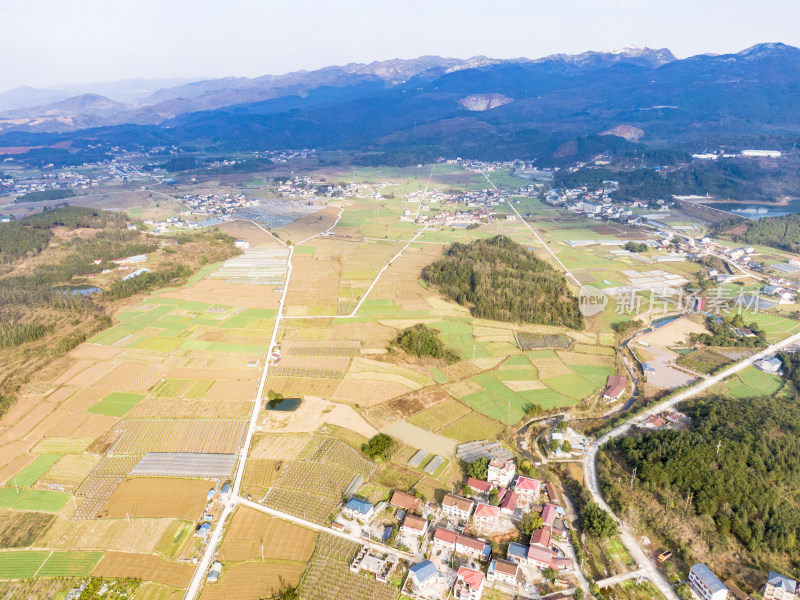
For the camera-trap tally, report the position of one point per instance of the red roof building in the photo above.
(479, 485)
(469, 585)
(541, 537)
(486, 514)
(509, 503)
(527, 488)
(549, 514)
(615, 387)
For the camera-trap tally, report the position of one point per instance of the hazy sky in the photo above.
(46, 42)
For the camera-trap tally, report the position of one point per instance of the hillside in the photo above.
(501, 280)
(417, 110)
(736, 464)
(781, 232)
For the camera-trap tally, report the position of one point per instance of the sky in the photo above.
(48, 42)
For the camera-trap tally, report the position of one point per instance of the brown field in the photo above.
(188, 409)
(461, 370)
(144, 566)
(415, 402)
(211, 290)
(92, 373)
(75, 366)
(380, 416)
(85, 398)
(22, 529)
(297, 387)
(369, 393)
(61, 394)
(260, 473)
(459, 389)
(67, 423)
(180, 435)
(372, 335)
(232, 390)
(157, 497)
(14, 458)
(250, 530)
(577, 358)
(96, 352)
(673, 334)
(141, 535)
(315, 282)
(251, 581)
(22, 406)
(245, 230)
(233, 375)
(400, 281)
(277, 447)
(21, 428)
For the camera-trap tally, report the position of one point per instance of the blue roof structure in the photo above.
(518, 550)
(424, 571)
(358, 505)
(782, 582)
(708, 578)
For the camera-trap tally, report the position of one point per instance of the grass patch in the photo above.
(572, 386)
(116, 404)
(21, 565)
(28, 476)
(473, 426)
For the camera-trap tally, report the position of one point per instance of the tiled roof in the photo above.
(527, 484)
(358, 505)
(415, 522)
(445, 535)
(479, 484)
(472, 578)
(487, 510)
(424, 570)
(404, 500)
(549, 514)
(457, 501)
(541, 537)
(506, 567)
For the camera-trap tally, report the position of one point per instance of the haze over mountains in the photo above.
(440, 104)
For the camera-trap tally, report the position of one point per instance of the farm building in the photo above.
(213, 572)
(359, 509)
(418, 457)
(203, 530)
(615, 387)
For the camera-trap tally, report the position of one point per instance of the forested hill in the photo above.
(501, 280)
(779, 232)
(741, 462)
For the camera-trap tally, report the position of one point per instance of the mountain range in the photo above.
(515, 107)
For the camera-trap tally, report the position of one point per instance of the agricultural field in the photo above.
(704, 361)
(325, 465)
(749, 383)
(156, 497)
(328, 575)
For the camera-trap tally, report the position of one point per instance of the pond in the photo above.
(664, 321)
(83, 290)
(284, 404)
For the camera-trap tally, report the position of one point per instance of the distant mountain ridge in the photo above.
(470, 107)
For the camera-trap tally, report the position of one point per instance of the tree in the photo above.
(530, 522)
(494, 497)
(594, 589)
(578, 594)
(684, 592)
(467, 491)
(479, 469)
(598, 522)
(553, 445)
(550, 573)
(636, 247)
(566, 446)
(379, 447)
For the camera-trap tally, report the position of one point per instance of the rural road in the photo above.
(590, 458)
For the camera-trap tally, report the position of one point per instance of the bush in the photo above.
(422, 341)
(379, 448)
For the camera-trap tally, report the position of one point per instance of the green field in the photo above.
(28, 476)
(21, 565)
(473, 426)
(70, 564)
(116, 404)
(438, 416)
(41, 500)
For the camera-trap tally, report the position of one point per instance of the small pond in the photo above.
(83, 290)
(284, 404)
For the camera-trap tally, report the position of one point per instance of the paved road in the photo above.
(609, 581)
(590, 459)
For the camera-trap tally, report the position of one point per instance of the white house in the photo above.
(501, 473)
(706, 584)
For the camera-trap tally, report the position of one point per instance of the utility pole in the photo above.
(633, 476)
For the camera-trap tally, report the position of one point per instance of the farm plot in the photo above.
(328, 575)
(70, 564)
(258, 476)
(277, 447)
(69, 471)
(323, 367)
(116, 404)
(531, 341)
(253, 534)
(144, 566)
(223, 436)
(35, 500)
(325, 465)
(21, 565)
(95, 492)
(251, 581)
(30, 474)
(156, 497)
(440, 415)
(22, 529)
(57, 445)
(473, 426)
(703, 361)
(192, 389)
(185, 464)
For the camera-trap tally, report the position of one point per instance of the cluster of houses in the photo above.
(707, 586)
(219, 493)
(216, 204)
